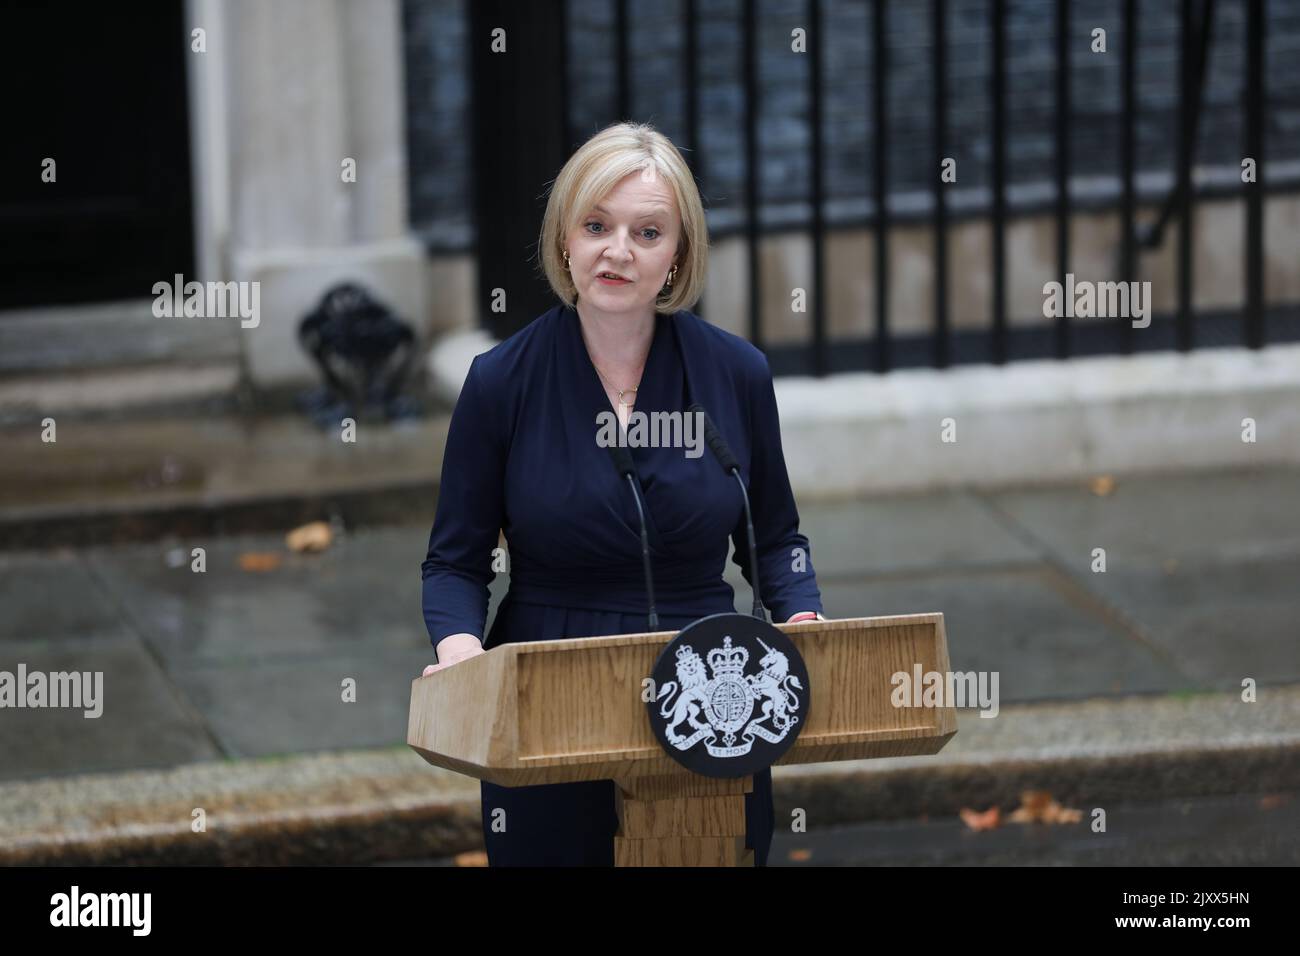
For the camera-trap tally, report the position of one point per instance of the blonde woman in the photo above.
(625, 248)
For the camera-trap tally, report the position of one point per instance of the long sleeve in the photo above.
(458, 566)
(789, 584)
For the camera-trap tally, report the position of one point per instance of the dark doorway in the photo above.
(518, 127)
(101, 89)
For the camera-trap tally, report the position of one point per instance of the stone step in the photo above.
(108, 336)
(105, 482)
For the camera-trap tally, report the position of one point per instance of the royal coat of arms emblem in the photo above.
(718, 714)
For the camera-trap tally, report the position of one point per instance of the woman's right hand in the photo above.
(453, 649)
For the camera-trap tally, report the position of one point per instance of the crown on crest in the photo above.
(728, 661)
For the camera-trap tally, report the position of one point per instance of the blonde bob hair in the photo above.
(592, 172)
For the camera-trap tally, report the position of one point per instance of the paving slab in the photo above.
(363, 591)
(897, 533)
(145, 721)
(53, 595)
(1221, 621)
(282, 707)
(1228, 515)
(1028, 625)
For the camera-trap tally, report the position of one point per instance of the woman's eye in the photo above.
(592, 223)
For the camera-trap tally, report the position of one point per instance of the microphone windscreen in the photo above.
(713, 438)
(622, 460)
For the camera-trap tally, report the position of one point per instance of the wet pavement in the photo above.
(1199, 593)
(1242, 830)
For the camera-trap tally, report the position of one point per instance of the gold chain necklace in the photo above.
(621, 391)
(609, 384)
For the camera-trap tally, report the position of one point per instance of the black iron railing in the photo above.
(879, 346)
(1064, 337)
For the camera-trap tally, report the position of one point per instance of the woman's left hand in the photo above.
(804, 616)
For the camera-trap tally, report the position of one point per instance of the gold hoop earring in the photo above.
(668, 287)
(566, 261)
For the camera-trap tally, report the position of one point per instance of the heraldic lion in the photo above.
(692, 675)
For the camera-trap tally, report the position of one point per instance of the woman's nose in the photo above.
(618, 248)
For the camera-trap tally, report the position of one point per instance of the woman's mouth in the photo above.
(608, 278)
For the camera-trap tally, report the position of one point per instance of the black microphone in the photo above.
(623, 463)
(721, 451)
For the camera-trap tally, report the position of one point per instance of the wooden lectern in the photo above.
(569, 710)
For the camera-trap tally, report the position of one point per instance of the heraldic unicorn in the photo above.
(726, 700)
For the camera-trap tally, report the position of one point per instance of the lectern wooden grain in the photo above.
(569, 710)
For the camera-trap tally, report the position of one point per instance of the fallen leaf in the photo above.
(260, 560)
(989, 819)
(315, 536)
(472, 858)
(1035, 801)
(800, 855)
(1272, 801)
(1037, 806)
(1102, 485)
(1060, 814)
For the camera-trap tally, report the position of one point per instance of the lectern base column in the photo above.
(682, 820)
(683, 851)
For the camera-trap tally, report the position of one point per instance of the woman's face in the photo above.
(633, 232)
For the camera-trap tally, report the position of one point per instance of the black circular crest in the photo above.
(731, 695)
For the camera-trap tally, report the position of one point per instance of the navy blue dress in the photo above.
(522, 457)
